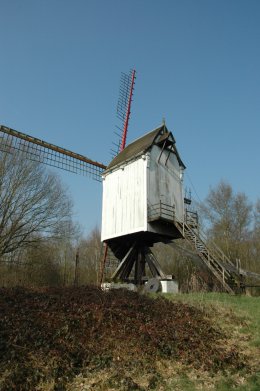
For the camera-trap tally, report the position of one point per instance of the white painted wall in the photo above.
(128, 191)
(124, 206)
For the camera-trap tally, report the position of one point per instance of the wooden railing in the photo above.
(161, 211)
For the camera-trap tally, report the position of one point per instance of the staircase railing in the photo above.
(202, 236)
(212, 255)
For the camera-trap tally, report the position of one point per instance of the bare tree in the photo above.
(257, 218)
(33, 203)
(228, 215)
(229, 218)
(255, 247)
(90, 251)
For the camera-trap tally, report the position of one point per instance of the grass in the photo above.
(245, 308)
(240, 317)
(77, 339)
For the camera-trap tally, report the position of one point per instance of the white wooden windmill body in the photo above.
(142, 201)
(143, 189)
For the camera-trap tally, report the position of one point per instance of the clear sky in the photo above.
(197, 62)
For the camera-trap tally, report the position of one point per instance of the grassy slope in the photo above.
(84, 339)
(239, 316)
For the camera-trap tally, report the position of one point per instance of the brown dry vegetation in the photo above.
(50, 337)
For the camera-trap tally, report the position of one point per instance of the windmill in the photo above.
(143, 201)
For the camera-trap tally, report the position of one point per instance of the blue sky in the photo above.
(197, 62)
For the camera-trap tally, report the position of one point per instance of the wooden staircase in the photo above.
(211, 255)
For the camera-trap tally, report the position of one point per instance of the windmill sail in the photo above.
(126, 90)
(41, 151)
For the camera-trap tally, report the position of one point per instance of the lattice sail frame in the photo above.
(126, 89)
(43, 152)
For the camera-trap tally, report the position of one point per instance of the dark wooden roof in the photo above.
(142, 144)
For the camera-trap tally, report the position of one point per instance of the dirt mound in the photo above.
(55, 334)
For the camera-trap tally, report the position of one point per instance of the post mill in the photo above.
(144, 203)
(143, 200)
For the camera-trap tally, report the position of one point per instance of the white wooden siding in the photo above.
(124, 206)
(164, 181)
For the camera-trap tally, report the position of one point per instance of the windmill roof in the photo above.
(142, 144)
